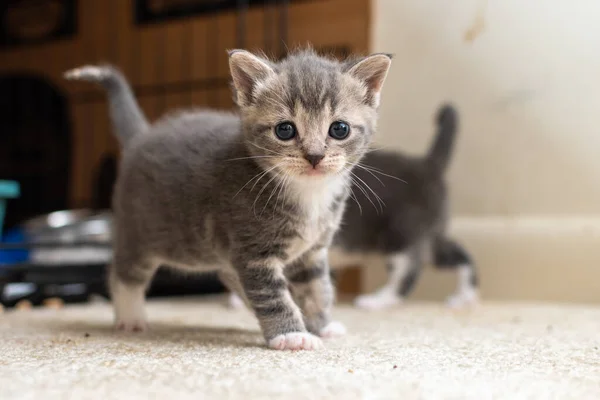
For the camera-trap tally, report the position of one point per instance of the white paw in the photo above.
(128, 302)
(377, 301)
(333, 329)
(135, 325)
(463, 299)
(296, 341)
(236, 302)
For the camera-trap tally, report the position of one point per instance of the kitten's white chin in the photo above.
(315, 193)
(314, 172)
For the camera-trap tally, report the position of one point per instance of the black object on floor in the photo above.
(76, 282)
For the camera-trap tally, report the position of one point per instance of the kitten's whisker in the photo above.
(284, 182)
(376, 149)
(261, 174)
(357, 184)
(368, 167)
(264, 174)
(285, 191)
(353, 197)
(260, 192)
(374, 176)
(246, 184)
(269, 150)
(251, 157)
(271, 195)
(364, 192)
(381, 203)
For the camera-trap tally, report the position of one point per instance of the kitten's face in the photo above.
(308, 117)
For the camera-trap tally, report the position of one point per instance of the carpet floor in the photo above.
(197, 349)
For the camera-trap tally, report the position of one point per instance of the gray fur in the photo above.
(128, 120)
(413, 220)
(209, 190)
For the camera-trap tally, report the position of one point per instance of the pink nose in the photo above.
(314, 159)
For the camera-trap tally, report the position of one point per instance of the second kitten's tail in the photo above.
(441, 149)
(127, 118)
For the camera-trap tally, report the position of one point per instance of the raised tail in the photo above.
(127, 118)
(442, 146)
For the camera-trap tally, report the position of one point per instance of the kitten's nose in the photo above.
(314, 159)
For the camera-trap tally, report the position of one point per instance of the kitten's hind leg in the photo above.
(235, 302)
(404, 269)
(448, 254)
(311, 288)
(128, 283)
(231, 281)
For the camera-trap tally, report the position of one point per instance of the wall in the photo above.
(525, 178)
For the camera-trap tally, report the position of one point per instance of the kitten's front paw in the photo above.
(135, 325)
(333, 329)
(463, 299)
(377, 301)
(296, 341)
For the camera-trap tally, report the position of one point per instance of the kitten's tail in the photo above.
(441, 149)
(127, 118)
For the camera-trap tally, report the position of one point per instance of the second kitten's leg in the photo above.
(280, 319)
(311, 287)
(403, 271)
(128, 282)
(448, 254)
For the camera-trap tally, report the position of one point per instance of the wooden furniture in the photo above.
(172, 64)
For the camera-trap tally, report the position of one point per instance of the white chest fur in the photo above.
(316, 198)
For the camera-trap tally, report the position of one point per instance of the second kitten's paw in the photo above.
(333, 329)
(463, 299)
(377, 301)
(296, 341)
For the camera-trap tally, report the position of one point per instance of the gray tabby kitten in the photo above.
(257, 197)
(399, 211)
(403, 218)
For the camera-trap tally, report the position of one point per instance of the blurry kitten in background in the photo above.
(399, 210)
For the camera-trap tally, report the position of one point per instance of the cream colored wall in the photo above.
(525, 178)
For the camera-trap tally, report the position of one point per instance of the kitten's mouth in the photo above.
(314, 171)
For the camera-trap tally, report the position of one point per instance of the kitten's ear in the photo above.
(247, 72)
(372, 70)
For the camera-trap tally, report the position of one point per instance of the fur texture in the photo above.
(208, 190)
(398, 211)
(403, 217)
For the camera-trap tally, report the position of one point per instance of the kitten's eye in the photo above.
(285, 131)
(339, 130)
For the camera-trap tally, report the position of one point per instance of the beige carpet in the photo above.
(199, 350)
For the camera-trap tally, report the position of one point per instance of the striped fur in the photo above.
(205, 190)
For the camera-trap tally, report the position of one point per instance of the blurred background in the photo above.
(523, 75)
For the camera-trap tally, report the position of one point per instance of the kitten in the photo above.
(257, 197)
(398, 210)
(401, 213)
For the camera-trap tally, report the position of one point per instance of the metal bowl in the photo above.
(70, 237)
(70, 226)
(54, 220)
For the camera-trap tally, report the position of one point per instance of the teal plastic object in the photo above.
(8, 190)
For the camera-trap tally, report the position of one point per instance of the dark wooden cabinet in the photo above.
(172, 63)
